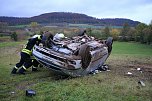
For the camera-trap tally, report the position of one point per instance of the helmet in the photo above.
(58, 36)
(37, 36)
(61, 35)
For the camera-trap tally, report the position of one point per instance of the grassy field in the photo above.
(113, 85)
(132, 49)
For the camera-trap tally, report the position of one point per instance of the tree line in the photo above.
(141, 33)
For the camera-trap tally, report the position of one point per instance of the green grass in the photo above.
(7, 44)
(19, 26)
(133, 49)
(105, 86)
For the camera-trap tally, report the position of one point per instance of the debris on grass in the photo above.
(96, 71)
(12, 92)
(129, 73)
(103, 68)
(138, 69)
(141, 82)
(30, 93)
(108, 70)
(100, 69)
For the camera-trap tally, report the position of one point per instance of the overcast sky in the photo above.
(138, 10)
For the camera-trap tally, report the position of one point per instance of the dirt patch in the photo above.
(138, 71)
(5, 39)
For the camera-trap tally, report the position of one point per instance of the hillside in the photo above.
(63, 17)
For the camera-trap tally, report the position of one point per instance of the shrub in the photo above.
(14, 36)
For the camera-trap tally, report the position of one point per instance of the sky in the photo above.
(137, 10)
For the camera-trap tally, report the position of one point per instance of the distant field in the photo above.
(5, 39)
(19, 26)
(91, 26)
(133, 49)
(114, 85)
(7, 44)
(71, 25)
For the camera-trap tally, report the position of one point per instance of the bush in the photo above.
(14, 36)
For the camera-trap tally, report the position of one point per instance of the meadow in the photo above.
(113, 85)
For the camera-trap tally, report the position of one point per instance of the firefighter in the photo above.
(26, 53)
(35, 63)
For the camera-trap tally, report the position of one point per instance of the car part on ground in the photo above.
(76, 56)
(30, 93)
(100, 69)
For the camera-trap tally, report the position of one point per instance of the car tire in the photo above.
(84, 52)
(109, 43)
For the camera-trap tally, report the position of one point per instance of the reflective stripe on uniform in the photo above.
(32, 57)
(24, 67)
(34, 67)
(27, 51)
(15, 67)
(39, 37)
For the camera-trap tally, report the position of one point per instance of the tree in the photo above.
(150, 23)
(124, 32)
(150, 36)
(106, 32)
(3, 26)
(89, 31)
(33, 26)
(115, 33)
(131, 34)
(14, 36)
(139, 34)
(147, 32)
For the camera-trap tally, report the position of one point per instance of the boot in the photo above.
(21, 71)
(14, 71)
(34, 69)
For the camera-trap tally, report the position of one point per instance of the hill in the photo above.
(66, 17)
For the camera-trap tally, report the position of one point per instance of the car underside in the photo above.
(76, 56)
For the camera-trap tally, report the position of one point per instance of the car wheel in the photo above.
(84, 52)
(109, 43)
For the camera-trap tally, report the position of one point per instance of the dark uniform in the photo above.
(35, 63)
(26, 53)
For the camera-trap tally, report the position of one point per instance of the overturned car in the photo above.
(76, 56)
